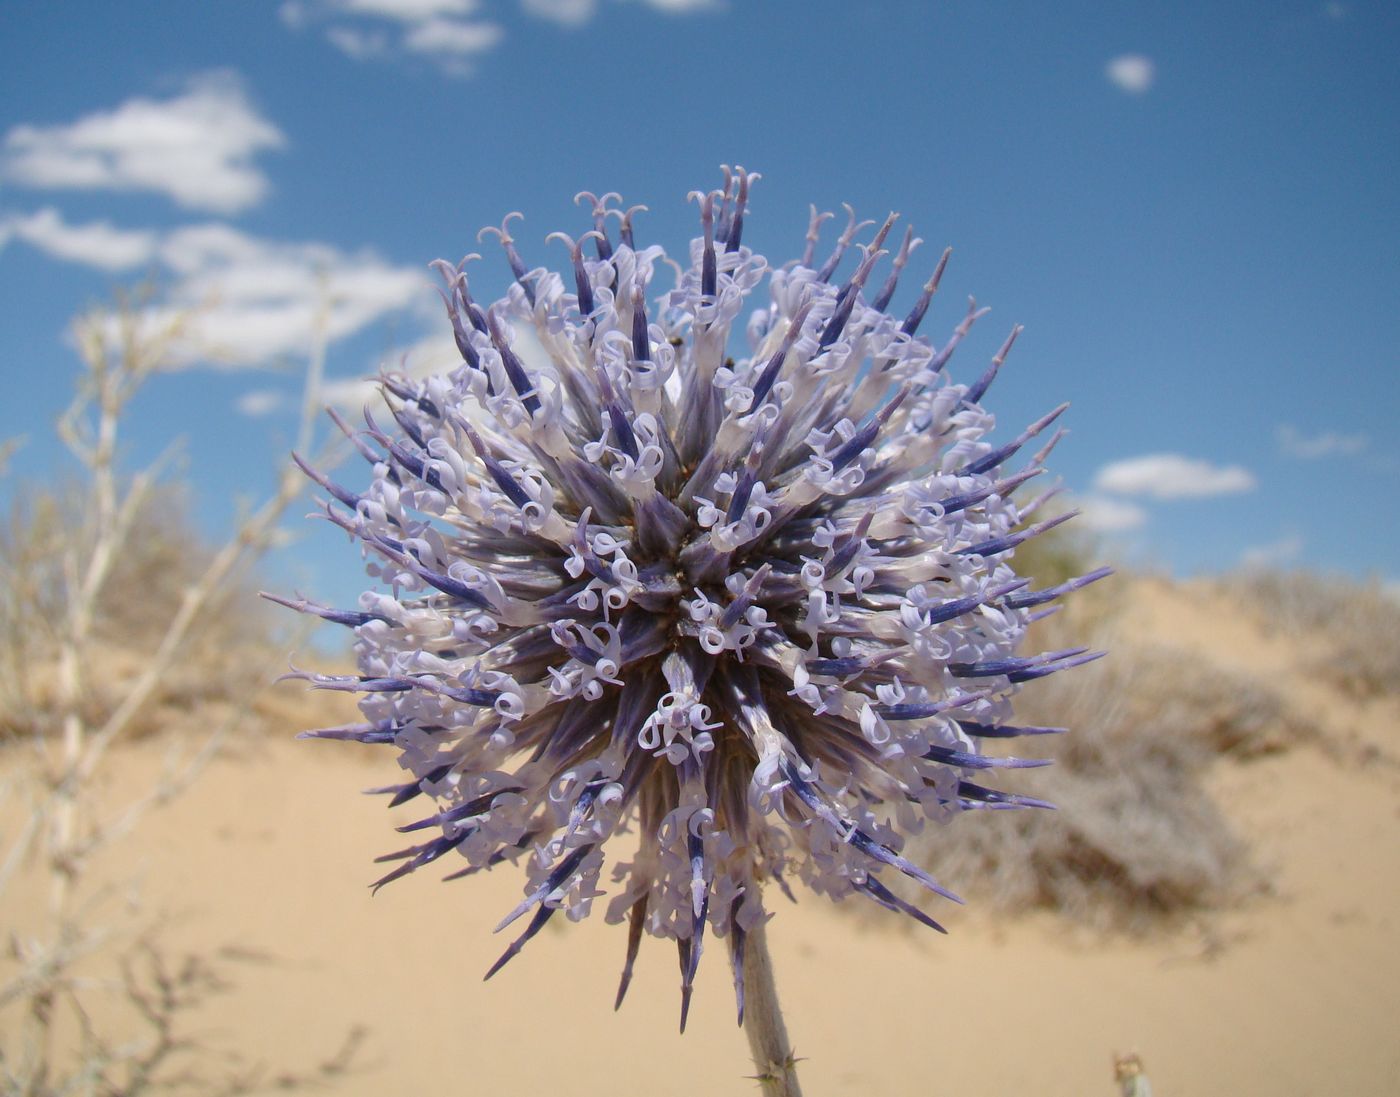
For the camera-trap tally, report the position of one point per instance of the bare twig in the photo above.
(119, 352)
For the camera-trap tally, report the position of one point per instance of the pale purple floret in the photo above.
(757, 609)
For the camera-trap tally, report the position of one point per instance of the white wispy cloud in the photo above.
(360, 45)
(1172, 476)
(451, 38)
(683, 7)
(574, 13)
(257, 403)
(1104, 514)
(95, 244)
(1311, 447)
(410, 11)
(569, 13)
(197, 148)
(1132, 73)
(253, 300)
(240, 299)
(432, 354)
(1275, 554)
(449, 33)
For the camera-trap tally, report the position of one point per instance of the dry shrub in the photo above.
(1355, 625)
(116, 620)
(32, 599)
(1137, 837)
(161, 559)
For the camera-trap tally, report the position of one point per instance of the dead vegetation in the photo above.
(115, 620)
(1137, 838)
(158, 630)
(1354, 628)
(221, 658)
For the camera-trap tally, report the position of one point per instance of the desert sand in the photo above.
(264, 865)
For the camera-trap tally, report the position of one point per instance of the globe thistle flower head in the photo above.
(756, 611)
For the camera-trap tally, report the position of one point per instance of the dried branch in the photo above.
(119, 352)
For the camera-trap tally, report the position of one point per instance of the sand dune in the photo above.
(1296, 993)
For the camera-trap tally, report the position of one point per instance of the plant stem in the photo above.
(763, 1020)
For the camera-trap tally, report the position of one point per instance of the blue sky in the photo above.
(1192, 208)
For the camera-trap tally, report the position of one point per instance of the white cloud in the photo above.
(409, 11)
(351, 395)
(293, 14)
(197, 148)
(252, 300)
(433, 354)
(681, 7)
(1172, 476)
(258, 403)
(573, 13)
(243, 300)
(1131, 72)
(1105, 514)
(1294, 443)
(448, 36)
(430, 355)
(1280, 553)
(95, 244)
(359, 45)
(570, 13)
(449, 33)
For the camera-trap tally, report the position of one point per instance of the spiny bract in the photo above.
(759, 611)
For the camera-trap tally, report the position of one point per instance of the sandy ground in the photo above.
(1298, 993)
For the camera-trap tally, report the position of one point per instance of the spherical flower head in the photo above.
(757, 611)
